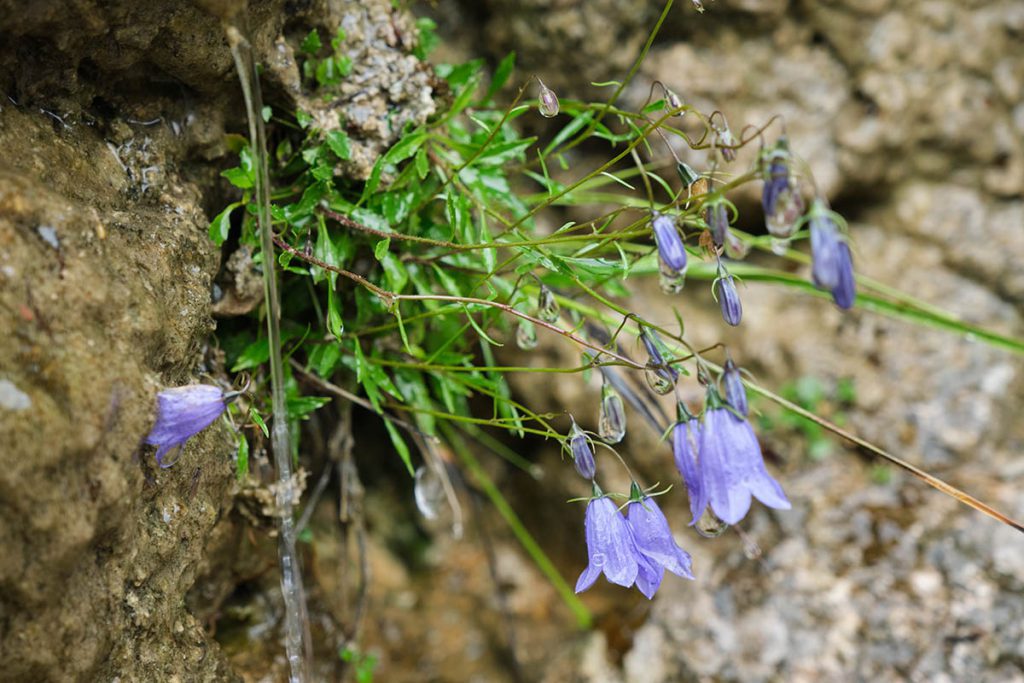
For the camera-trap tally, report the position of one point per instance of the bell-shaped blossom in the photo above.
(183, 412)
(735, 392)
(728, 298)
(582, 453)
(685, 437)
(610, 546)
(655, 543)
(731, 465)
(670, 244)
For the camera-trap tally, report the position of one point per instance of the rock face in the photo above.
(112, 124)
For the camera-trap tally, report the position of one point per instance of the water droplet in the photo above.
(709, 525)
(658, 379)
(428, 491)
(598, 559)
(611, 424)
(526, 335)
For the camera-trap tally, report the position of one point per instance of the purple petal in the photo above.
(729, 301)
(686, 463)
(609, 544)
(184, 411)
(722, 467)
(587, 578)
(735, 392)
(648, 577)
(825, 252)
(654, 539)
(670, 245)
(845, 291)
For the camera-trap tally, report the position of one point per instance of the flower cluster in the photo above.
(635, 548)
(720, 461)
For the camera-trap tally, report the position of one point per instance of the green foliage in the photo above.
(363, 665)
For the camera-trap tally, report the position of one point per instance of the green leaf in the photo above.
(335, 325)
(428, 40)
(380, 249)
(406, 147)
(254, 354)
(220, 226)
(501, 74)
(400, 446)
(242, 459)
(299, 407)
(394, 272)
(337, 140)
(311, 43)
(255, 416)
(422, 165)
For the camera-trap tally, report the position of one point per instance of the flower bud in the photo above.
(716, 215)
(655, 350)
(673, 101)
(582, 453)
(548, 101)
(735, 248)
(687, 174)
(659, 379)
(611, 424)
(832, 266)
(526, 335)
(735, 392)
(547, 306)
(729, 298)
(726, 143)
(780, 197)
(670, 244)
(845, 292)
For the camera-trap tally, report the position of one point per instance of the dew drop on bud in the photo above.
(548, 106)
(709, 525)
(673, 101)
(428, 491)
(698, 5)
(547, 306)
(611, 424)
(658, 379)
(526, 335)
(735, 248)
(671, 281)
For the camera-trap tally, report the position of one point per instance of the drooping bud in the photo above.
(735, 392)
(611, 424)
(832, 266)
(780, 198)
(582, 453)
(845, 292)
(526, 335)
(726, 142)
(548, 101)
(716, 215)
(735, 248)
(687, 174)
(670, 244)
(728, 298)
(673, 101)
(547, 306)
(660, 376)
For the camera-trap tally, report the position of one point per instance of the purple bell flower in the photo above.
(656, 548)
(728, 298)
(582, 453)
(610, 545)
(735, 392)
(183, 412)
(670, 244)
(731, 464)
(685, 437)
